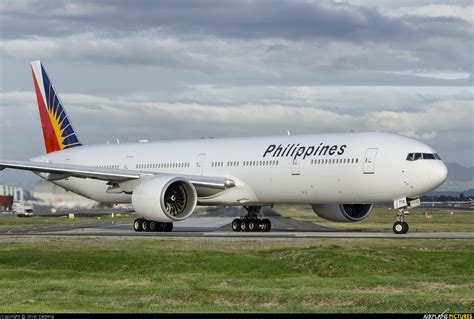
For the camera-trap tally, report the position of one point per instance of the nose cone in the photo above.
(438, 174)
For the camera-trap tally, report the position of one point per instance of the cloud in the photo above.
(162, 120)
(424, 136)
(237, 62)
(464, 12)
(229, 19)
(236, 43)
(238, 19)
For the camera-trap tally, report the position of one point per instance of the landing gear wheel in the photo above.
(405, 224)
(243, 225)
(145, 226)
(160, 227)
(137, 225)
(253, 225)
(267, 225)
(168, 227)
(251, 222)
(236, 225)
(400, 227)
(152, 225)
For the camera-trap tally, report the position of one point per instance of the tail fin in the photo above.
(58, 132)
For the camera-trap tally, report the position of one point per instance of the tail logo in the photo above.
(58, 132)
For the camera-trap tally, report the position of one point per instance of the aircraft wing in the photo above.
(62, 171)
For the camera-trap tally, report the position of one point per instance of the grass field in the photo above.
(38, 221)
(115, 274)
(381, 219)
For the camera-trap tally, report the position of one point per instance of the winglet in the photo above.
(57, 129)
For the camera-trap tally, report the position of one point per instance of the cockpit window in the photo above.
(417, 156)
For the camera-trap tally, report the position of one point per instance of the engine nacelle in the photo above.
(165, 199)
(342, 212)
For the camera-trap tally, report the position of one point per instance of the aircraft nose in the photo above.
(438, 173)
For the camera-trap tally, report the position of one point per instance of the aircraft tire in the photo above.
(400, 227)
(268, 224)
(236, 225)
(137, 225)
(145, 225)
(405, 224)
(253, 225)
(243, 225)
(168, 227)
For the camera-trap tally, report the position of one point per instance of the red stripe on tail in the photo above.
(50, 139)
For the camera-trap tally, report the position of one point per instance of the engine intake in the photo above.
(342, 212)
(165, 199)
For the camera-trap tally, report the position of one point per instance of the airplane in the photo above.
(341, 175)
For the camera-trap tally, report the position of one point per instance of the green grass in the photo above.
(38, 221)
(87, 274)
(381, 219)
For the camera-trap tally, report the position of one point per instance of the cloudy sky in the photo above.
(183, 69)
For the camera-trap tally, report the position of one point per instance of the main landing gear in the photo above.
(250, 222)
(143, 225)
(401, 226)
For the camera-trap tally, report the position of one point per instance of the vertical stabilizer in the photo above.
(57, 128)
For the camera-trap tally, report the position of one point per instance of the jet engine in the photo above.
(342, 212)
(164, 199)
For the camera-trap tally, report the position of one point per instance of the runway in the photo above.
(219, 227)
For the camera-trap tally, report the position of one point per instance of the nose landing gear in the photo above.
(403, 204)
(401, 226)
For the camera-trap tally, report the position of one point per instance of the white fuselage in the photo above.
(350, 168)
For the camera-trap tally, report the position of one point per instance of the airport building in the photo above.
(15, 191)
(10, 194)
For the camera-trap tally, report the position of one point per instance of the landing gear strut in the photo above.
(250, 222)
(401, 226)
(143, 225)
